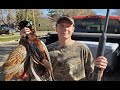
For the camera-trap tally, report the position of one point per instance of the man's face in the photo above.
(25, 31)
(65, 29)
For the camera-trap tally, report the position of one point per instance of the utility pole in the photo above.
(34, 21)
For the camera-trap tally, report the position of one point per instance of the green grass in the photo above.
(5, 38)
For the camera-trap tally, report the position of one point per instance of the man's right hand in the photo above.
(25, 31)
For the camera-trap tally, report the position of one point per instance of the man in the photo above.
(72, 60)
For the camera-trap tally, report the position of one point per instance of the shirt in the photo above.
(72, 62)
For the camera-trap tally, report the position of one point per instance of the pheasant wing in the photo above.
(14, 65)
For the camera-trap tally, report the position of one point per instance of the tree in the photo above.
(54, 13)
(11, 17)
(7, 17)
(21, 15)
(2, 16)
(51, 12)
(116, 12)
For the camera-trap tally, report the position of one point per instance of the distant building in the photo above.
(93, 24)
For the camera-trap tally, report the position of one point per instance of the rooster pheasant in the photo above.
(29, 60)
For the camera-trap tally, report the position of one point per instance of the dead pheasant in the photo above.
(30, 59)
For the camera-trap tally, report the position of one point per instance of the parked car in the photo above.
(7, 30)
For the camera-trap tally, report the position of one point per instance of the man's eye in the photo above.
(67, 26)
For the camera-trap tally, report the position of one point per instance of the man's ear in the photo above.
(73, 28)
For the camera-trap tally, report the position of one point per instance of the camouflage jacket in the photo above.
(71, 63)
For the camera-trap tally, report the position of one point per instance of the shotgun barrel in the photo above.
(101, 47)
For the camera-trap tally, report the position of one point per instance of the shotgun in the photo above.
(101, 47)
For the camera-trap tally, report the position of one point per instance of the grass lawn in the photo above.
(5, 38)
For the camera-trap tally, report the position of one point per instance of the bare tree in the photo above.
(116, 12)
(2, 16)
(21, 14)
(11, 17)
(75, 12)
(54, 13)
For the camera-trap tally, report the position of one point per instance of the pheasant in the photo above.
(30, 59)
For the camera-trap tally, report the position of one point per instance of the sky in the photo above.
(103, 11)
(98, 11)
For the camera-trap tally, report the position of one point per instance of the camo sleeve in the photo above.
(89, 65)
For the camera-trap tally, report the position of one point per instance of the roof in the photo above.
(96, 16)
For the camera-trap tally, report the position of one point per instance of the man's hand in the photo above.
(25, 31)
(101, 62)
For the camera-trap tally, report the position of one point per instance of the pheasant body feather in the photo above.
(31, 57)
